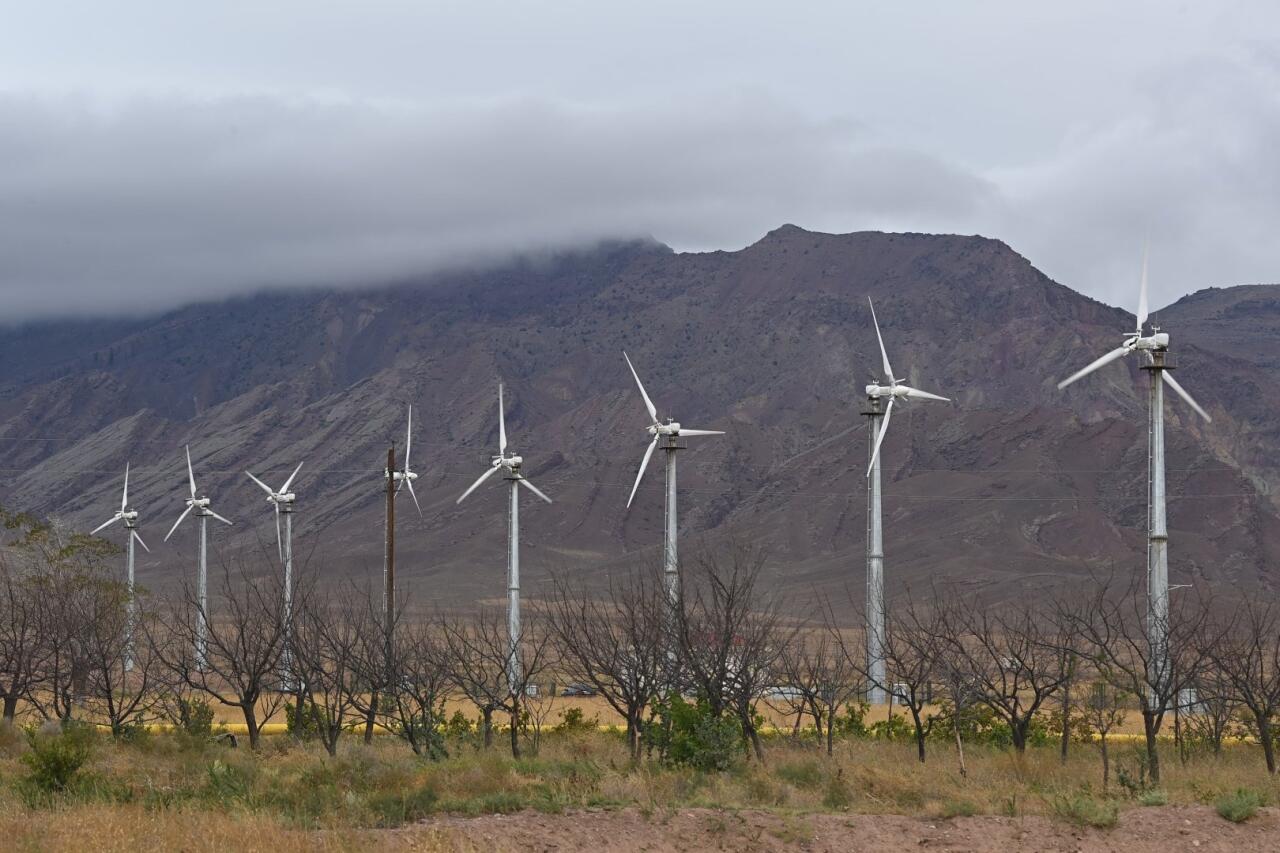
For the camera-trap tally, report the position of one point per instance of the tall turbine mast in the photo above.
(130, 519)
(282, 501)
(1155, 348)
(396, 479)
(879, 421)
(667, 435)
(204, 512)
(510, 464)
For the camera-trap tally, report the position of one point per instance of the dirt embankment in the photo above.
(1139, 830)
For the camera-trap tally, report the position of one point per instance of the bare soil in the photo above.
(1139, 830)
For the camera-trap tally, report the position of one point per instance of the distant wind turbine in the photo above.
(511, 464)
(1155, 347)
(396, 479)
(667, 435)
(892, 390)
(202, 508)
(282, 500)
(130, 519)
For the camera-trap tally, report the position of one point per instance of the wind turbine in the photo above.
(893, 390)
(396, 479)
(511, 464)
(130, 519)
(667, 435)
(1155, 348)
(204, 512)
(282, 501)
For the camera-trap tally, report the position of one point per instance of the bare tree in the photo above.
(1104, 711)
(615, 644)
(413, 702)
(481, 665)
(822, 674)
(20, 646)
(1245, 653)
(1018, 656)
(732, 633)
(1115, 635)
(241, 668)
(913, 644)
(326, 645)
(123, 676)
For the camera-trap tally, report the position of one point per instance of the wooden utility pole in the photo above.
(389, 564)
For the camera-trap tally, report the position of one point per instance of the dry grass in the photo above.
(164, 793)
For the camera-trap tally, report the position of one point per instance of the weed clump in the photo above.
(1239, 805)
(55, 759)
(1083, 810)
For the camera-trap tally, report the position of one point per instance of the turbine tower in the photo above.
(668, 436)
(893, 390)
(396, 479)
(1155, 348)
(282, 501)
(130, 519)
(204, 512)
(511, 465)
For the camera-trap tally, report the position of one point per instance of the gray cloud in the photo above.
(369, 143)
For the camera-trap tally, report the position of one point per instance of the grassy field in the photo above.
(167, 791)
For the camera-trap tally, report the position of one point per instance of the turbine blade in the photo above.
(1106, 359)
(408, 436)
(884, 427)
(289, 482)
(1142, 292)
(279, 538)
(413, 494)
(644, 463)
(220, 518)
(684, 431)
(1186, 397)
(917, 394)
(888, 371)
(486, 475)
(648, 404)
(104, 524)
(502, 424)
(191, 475)
(264, 486)
(185, 513)
(124, 499)
(140, 542)
(531, 487)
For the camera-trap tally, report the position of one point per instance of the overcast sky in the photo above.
(152, 153)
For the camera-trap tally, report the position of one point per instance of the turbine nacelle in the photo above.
(1158, 341)
(669, 428)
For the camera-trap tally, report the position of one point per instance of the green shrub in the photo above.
(227, 783)
(837, 796)
(55, 759)
(398, 807)
(193, 717)
(574, 721)
(854, 721)
(688, 734)
(303, 722)
(958, 808)
(1084, 810)
(1239, 805)
(1154, 797)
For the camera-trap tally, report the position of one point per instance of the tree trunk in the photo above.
(1268, 748)
(831, 731)
(370, 716)
(1018, 731)
(515, 730)
(1106, 764)
(964, 774)
(487, 725)
(1153, 757)
(10, 708)
(251, 723)
(915, 719)
(1066, 720)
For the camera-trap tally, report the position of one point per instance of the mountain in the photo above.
(1013, 486)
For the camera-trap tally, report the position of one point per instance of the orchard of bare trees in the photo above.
(706, 679)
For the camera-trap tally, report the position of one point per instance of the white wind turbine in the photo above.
(204, 512)
(511, 464)
(1155, 348)
(396, 479)
(893, 390)
(130, 519)
(667, 435)
(282, 501)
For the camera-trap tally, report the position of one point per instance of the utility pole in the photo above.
(389, 562)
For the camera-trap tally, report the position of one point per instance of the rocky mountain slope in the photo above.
(1012, 486)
